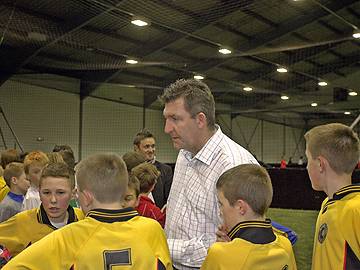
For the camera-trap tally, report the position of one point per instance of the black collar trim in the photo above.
(43, 218)
(110, 216)
(256, 232)
(341, 193)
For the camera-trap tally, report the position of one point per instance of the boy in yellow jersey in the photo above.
(333, 151)
(244, 194)
(25, 228)
(110, 237)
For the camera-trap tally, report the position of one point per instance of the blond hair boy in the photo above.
(244, 194)
(333, 151)
(15, 178)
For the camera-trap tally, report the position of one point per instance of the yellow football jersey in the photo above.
(4, 189)
(105, 239)
(337, 233)
(254, 245)
(25, 228)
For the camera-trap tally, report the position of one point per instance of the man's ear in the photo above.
(136, 148)
(201, 120)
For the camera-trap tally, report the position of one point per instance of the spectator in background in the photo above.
(7, 156)
(282, 163)
(144, 142)
(15, 178)
(301, 160)
(148, 174)
(34, 164)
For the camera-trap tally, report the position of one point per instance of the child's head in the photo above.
(8, 156)
(132, 159)
(54, 157)
(244, 193)
(337, 145)
(34, 163)
(101, 179)
(147, 174)
(55, 191)
(131, 197)
(15, 178)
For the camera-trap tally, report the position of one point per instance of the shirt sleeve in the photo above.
(190, 252)
(11, 236)
(34, 256)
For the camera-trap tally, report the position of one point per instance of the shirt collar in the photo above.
(257, 232)
(110, 216)
(43, 218)
(207, 152)
(16, 197)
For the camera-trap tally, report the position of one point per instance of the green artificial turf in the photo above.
(303, 223)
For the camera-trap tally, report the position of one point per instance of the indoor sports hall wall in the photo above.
(42, 117)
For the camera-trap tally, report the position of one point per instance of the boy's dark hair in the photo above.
(147, 174)
(143, 134)
(132, 159)
(13, 169)
(8, 156)
(248, 182)
(58, 170)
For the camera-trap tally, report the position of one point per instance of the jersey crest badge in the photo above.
(322, 232)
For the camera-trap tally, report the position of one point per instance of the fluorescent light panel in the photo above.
(139, 22)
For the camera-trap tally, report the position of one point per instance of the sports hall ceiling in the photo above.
(54, 43)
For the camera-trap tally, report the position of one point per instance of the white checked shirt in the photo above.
(32, 199)
(192, 214)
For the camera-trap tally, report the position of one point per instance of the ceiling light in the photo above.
(314, 104)
(347, 113)
(281, 70)
(353, 93)
(224, 51)
(283, 97)
(131, 61)
(198, 77)
(356, 34)
(139, 22)
(247, 89)
(322, 83)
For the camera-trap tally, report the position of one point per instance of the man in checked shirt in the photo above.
(205, 153)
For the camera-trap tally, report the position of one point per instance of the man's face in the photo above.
(179, 124)
(147, 148)
(23, 183)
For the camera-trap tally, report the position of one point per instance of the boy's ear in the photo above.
(242, 207)
(88, 197)
(323, 163)
(14, 180)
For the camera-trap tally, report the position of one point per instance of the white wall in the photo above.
(35, 111)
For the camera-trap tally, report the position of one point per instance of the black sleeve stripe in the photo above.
(351, 261)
